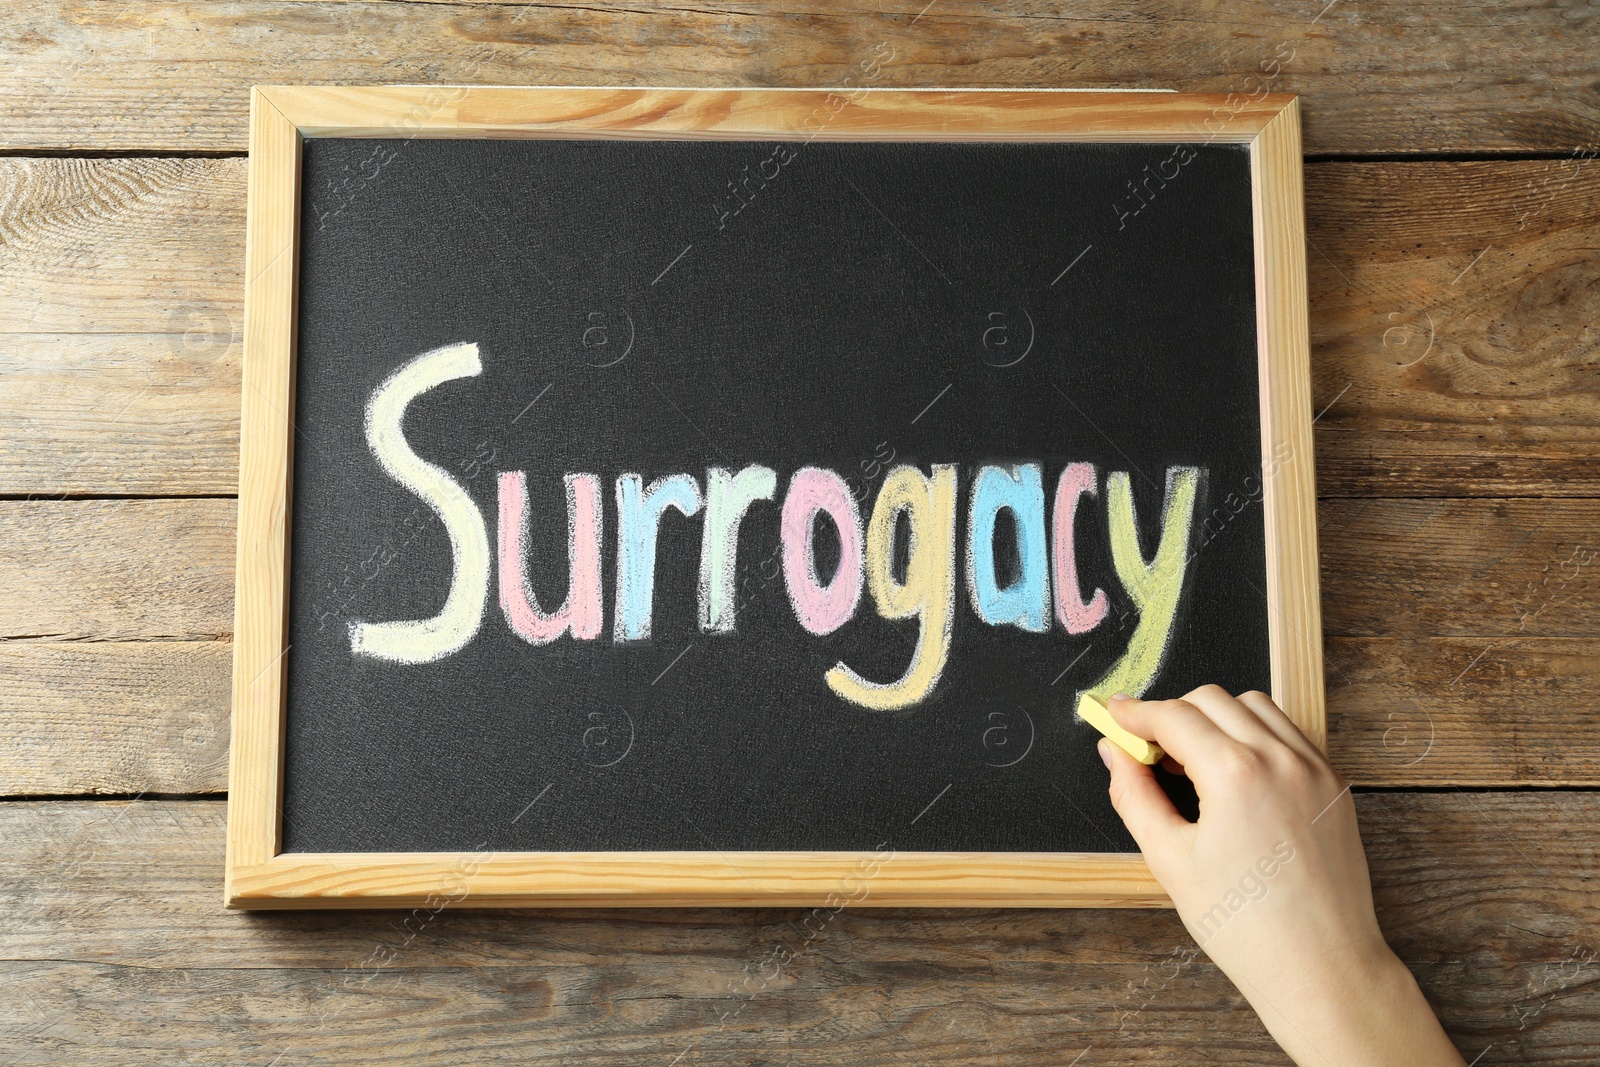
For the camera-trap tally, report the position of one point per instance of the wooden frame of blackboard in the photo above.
(260, 875)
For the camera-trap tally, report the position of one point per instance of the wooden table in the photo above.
(1454, 217)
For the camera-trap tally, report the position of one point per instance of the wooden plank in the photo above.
(116, 569)
(1487, 896)
(94, 1014)
(1495, 408)
(111, 717)
(826, 1012)
(1408, 77)
(1462, 711)
(142, 414)
(1453, 316)
(1494, 569)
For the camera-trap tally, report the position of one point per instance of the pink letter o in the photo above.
(821, 609)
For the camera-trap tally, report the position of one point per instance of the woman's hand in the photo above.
(1271, 881)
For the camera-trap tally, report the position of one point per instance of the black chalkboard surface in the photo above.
(757, 495)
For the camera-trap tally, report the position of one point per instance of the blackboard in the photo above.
(673, 386)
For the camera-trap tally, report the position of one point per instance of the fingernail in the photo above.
(1102, 747)
(1120, 696)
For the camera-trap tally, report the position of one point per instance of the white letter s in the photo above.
(425, 640)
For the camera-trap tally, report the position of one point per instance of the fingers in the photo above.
(1236, 720)
(1282, 727)
(1140, 801)
(1251, 719)
(1176, 725)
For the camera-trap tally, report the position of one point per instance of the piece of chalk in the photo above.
(1091, 711)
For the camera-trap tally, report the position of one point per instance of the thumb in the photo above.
(1140, 801)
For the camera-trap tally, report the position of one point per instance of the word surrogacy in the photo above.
(1044, 592)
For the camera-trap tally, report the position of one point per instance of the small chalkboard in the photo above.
(711, 496)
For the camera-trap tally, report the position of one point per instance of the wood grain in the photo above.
(1506, 403)
(693, 878)
(131, 414)
(973, 1013)
(1462, 711)
(113, 717)
(120, 314)
(121, 245)
(905, 1012)
(1455, 326)
(1495, 569)
(117, 952)
(1417, 76)
(115, 569)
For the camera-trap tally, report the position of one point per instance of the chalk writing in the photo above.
(923, 502)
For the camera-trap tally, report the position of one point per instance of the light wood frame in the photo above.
(259, 875)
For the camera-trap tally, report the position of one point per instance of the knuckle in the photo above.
(1240, 764)
(1295, 770)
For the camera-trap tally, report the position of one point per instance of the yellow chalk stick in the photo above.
(1095, 714)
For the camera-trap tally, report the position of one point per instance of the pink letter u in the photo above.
(581, 611)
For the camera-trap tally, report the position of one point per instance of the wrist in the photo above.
(1364, 1010)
